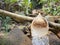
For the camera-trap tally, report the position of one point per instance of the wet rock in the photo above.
(17, 37)
(53, 39)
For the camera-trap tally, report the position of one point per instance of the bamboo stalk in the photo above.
(15, 16)
(21, 18)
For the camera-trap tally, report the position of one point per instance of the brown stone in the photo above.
(53, 39)
(17, 37)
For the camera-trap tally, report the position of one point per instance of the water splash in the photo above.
(40, 40)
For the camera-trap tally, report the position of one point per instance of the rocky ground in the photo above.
(20, 35)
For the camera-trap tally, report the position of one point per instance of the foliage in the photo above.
(8, 5)
(10, 1)
(5, 22)
(51, 6)
(34, 3)
(26, 5)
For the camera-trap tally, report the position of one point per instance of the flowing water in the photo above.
(40, 40)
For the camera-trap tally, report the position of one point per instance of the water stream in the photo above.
(40, 40)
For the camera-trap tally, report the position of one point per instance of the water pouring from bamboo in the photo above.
(39, 31)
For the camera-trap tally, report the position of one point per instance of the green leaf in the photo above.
(11, 1)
